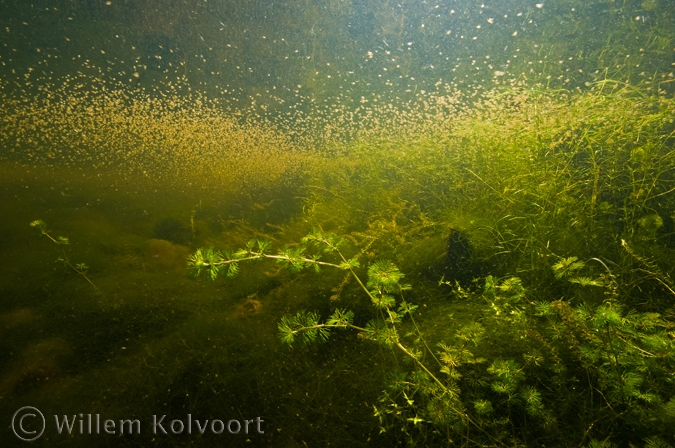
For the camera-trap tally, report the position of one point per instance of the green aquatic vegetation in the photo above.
(61, 241)
(558, 371)
(562, 344)
(567, 266)
(650, 224)
(384, 280)
(625, 358)
(292, 258)
(650, 268)
(383, 287)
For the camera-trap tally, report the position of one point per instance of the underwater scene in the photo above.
(345, 223)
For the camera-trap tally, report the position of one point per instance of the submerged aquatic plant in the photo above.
(619, 362)
(383, 283)
(61, 241)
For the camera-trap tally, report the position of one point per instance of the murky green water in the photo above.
(514, 161)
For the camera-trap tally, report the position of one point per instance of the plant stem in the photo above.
(67, 262)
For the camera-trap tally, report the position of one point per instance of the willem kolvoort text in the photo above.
(94, 424)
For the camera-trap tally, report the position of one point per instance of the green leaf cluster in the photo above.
(566, 267)
(384, 280)
(506, 298)
(329, 242)
(294, 259)
(306, 326)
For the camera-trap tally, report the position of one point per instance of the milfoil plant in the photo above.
(383, 286)
(578, 369)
